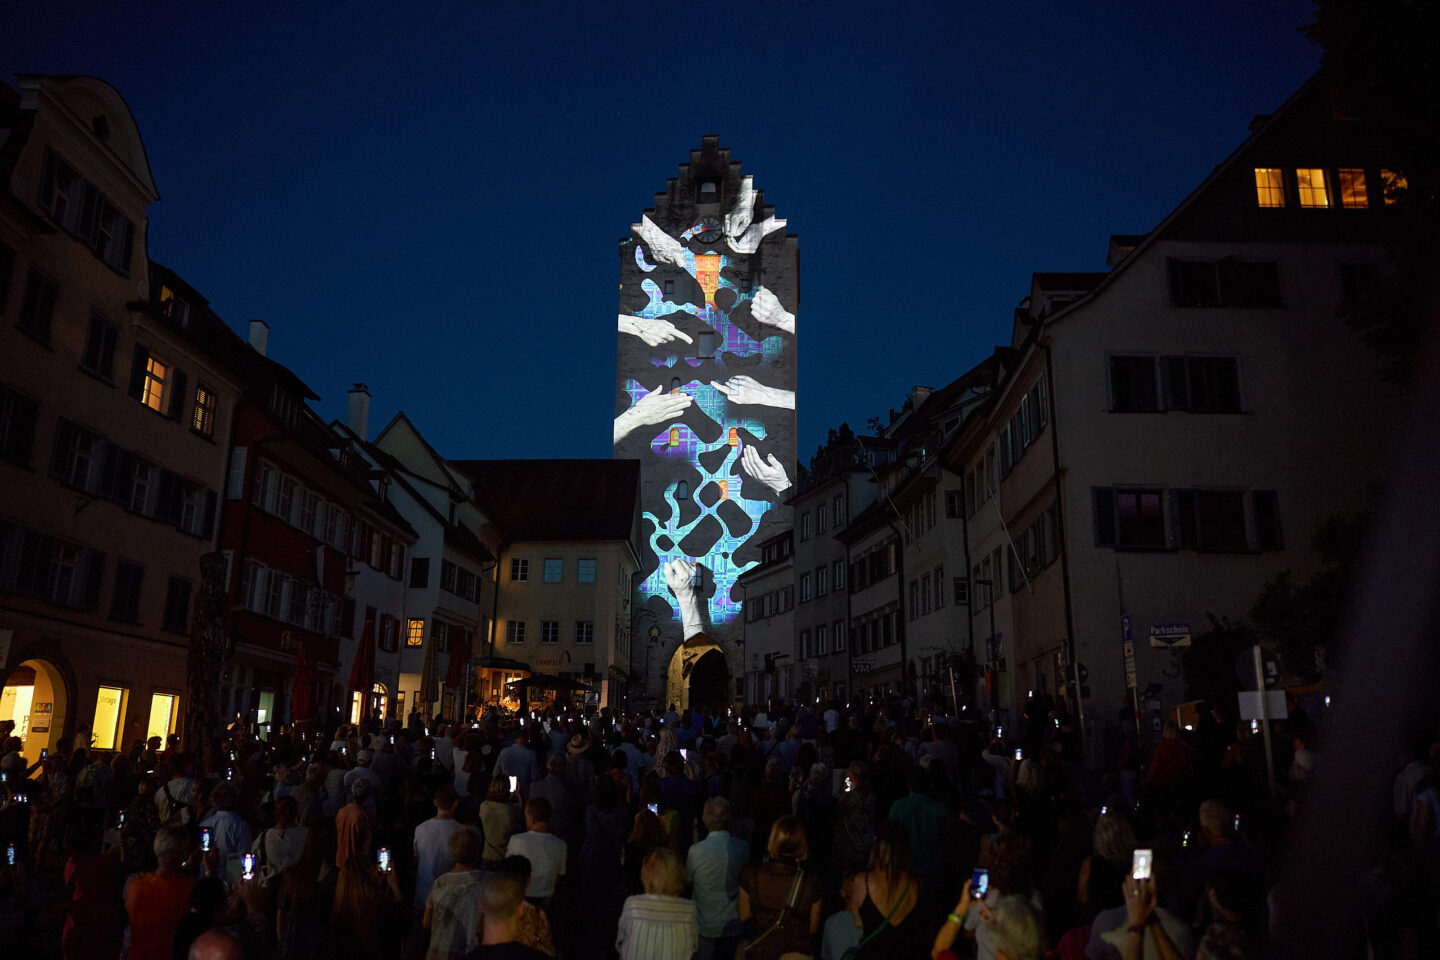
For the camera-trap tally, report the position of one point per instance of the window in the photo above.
(153, 392)
(285, 498)
(439, 635)
(125, 601)
(38, 307)
(585, 571)
(77, 455)
(415, 632)
(954, 503)
(174, 307)
(925, 595)
(1220, 520)
(99, 355)
(837, 633)
(1393, 185)
(515, 631)
(1202, 384)
(1129, 518)
(805, 526)
(177, 605)
(822, 577)
(805, 649)
(709, 192)
(961, 591)
(1194, 283)
(1270, 186)
(203, 421)
(389, 633)
(821, 640)
(938, 579)
(804, 587)
(705, 346)
(1352, 189)
(109, 711)
(18, 416)
(1225, 283)
(837, 575)
(1132, 385)
(682, 491)
(162, 716)
(420, 572)
(1313, 191)
(554, 569)
(837, 510)
(309, 506)
(820, 519)
(584, 631)
(519, 571)
(549, 631)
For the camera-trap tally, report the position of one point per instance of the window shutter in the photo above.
(137, 371)
(1104, 517)
(207, 527)
(60, 456)
(122, 247)
(94, 576)
(177, 395)
(109, 466)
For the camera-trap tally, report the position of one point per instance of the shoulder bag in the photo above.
(854, 951)
(779, 919)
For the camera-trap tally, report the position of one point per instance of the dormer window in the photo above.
(709, 192)
(174, 307)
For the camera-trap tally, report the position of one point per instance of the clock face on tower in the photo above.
(707, 230)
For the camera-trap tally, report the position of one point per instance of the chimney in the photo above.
(357, 413)
(259, 335)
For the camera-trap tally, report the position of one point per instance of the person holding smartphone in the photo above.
(1128, 928)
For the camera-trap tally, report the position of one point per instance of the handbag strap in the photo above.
(904, 893)
(789, 905)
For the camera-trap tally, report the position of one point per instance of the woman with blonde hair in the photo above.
(659, 924)
(780, 899)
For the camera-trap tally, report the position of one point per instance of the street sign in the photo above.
(1125, 628)
(860, 666)
(1274, 704)
(1170, 635)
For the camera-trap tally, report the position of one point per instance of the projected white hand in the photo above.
(743, 389)
(766, 308)
(768, 471)
(678, 573)
(653, 330)
(655, 407)
(663, 247)
(749, 241)
(737, 221)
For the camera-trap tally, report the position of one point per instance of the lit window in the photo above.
(709, 192)
(585, 571)
(109, 710)
(554, 569)
(706, 349)
(204, 420)
(1393, 184)
(1352, 190)
(1313, 192)
(415, 632)
(682, 491)
(1270, 186)
(162, 716)
(153, 393)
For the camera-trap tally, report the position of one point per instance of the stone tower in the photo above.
(705, 400)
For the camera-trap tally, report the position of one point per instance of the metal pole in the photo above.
(954, 700)
(1264, 718)
(994, 645)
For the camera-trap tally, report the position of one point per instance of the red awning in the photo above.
(455, 676)
(302, 699)
(362, 673)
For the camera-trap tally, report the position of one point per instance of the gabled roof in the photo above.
(558, 500)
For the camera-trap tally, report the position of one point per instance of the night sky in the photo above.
(430, 201)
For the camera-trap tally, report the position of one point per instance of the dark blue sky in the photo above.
(430, 201)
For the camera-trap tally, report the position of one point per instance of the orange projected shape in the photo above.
(707, 274)
(724, 489)
(674, 436)
(734, 437)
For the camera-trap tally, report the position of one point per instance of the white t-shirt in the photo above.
(432, 854)
(832, 720)
(457, 757)
(546, 853)
(444, 752)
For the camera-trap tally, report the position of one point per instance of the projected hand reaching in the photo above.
(655, 407)
(768, 471)
(749, 241)
(653, 330)
(766, 308)
(678, 577)
(663, 247)
(743, 389)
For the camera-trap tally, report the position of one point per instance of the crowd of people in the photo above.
(885, 830)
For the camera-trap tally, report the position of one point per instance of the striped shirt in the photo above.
(656, 927)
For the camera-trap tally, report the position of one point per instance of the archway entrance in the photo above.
(34, 697)
(709, 682)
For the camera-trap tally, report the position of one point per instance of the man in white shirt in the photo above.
(445, 748)
(518, 761)
(432, 843)
(545, 851)
(832, 718)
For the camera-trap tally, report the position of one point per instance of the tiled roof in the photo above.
(557, 499)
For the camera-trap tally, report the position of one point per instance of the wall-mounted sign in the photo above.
(1170, 635)
(861, 666)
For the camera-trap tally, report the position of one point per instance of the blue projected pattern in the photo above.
(727, 430)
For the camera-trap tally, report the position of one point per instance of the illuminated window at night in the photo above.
(554, 569)
(1352, 190)
(109, 710)
(153, 392)
(1270, 186)
(415, 633)
(204, 419)
(669, 287)
(174, 307)
(709, 192)
(585, 571)
(162, 716)
(1393, 184)
(1313, 191)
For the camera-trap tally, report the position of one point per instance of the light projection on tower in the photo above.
(711, 427)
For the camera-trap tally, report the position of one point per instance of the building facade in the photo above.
(705, 401)
(768, 588)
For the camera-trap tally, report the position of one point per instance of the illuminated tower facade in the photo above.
(705, 400)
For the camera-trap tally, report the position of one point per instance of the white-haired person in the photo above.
(1013, 927)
